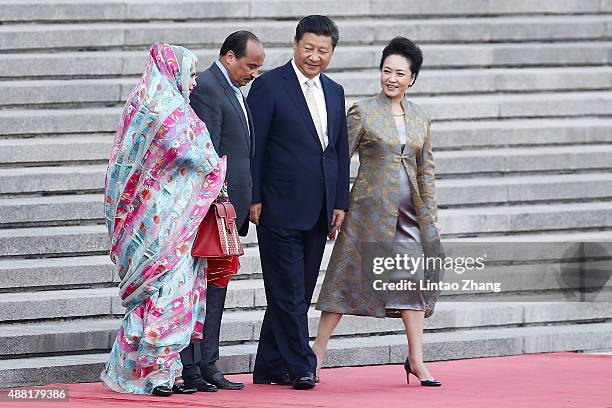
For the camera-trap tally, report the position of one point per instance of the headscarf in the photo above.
(162, 176)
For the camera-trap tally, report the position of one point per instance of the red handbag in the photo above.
(217, 235)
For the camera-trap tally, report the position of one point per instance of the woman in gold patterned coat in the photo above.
(393, 199)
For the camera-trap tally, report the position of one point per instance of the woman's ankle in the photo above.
(415, 360)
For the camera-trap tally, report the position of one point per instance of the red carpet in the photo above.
(532, 381)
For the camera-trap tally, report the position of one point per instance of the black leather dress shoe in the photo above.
(200, 384)
(283, 379)
(180, 388)
(304, 382)
(162, 391)
(223, 383)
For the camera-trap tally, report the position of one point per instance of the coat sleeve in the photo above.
(206, 105)
(261, 105)
(355, 129)
(344, 165)
(425, 174)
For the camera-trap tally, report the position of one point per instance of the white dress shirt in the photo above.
(236, 90)
(318, 95)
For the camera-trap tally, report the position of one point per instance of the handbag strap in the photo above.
(226, 211)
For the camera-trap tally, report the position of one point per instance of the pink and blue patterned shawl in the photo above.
(162, 176)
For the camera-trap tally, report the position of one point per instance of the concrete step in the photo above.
(571, 104)
(537, 105)
(58, 273)
(47, 273)
(56, 304)
(490, 80)
(526, 218)
(53, 179)
(91, 177)
(521, 282)
(520, 132)
(55, 10)
(481, 219)
(550, 236)
(31, 242)
(353, 31)
(64, 208)
(523, 189)
(63, 179)
(85, 335)
(524, 159)
(68, 149)
(131, 62)
(386, 349)
(435, 82)
(102, 302)
(81, 239)
(55, 150)
(89, 270)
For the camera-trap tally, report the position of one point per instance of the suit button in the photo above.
(322, 179)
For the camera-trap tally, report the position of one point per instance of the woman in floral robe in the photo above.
(162, 176)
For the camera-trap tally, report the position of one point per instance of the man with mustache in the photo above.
(300, 194)
(218, 101)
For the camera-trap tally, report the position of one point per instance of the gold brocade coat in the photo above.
(375, 198)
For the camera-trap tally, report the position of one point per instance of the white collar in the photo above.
(303, 78)
(227, 76)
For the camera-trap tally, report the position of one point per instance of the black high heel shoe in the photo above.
(424, 383)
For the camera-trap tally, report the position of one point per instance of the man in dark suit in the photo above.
(218, 101)
(300, 194)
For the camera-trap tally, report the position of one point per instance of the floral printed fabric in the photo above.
(163, 175)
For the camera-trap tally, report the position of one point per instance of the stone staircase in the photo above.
(520, 96)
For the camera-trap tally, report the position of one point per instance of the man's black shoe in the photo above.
(162, 391)
(283, 379)
(304, 382)
(223, 383)
(180, 388)
(200, 384)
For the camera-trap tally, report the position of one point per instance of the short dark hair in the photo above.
(407, 49)
(319, 25)
(237, 42)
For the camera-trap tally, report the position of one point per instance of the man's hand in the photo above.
(337, 218)
(255, 213)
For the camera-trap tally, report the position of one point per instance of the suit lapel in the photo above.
(233, 99)
(293, 88)
(330, 102)
(251, 130)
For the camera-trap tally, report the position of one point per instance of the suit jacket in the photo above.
(375, 199)
(293, 177)
(215, 102)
